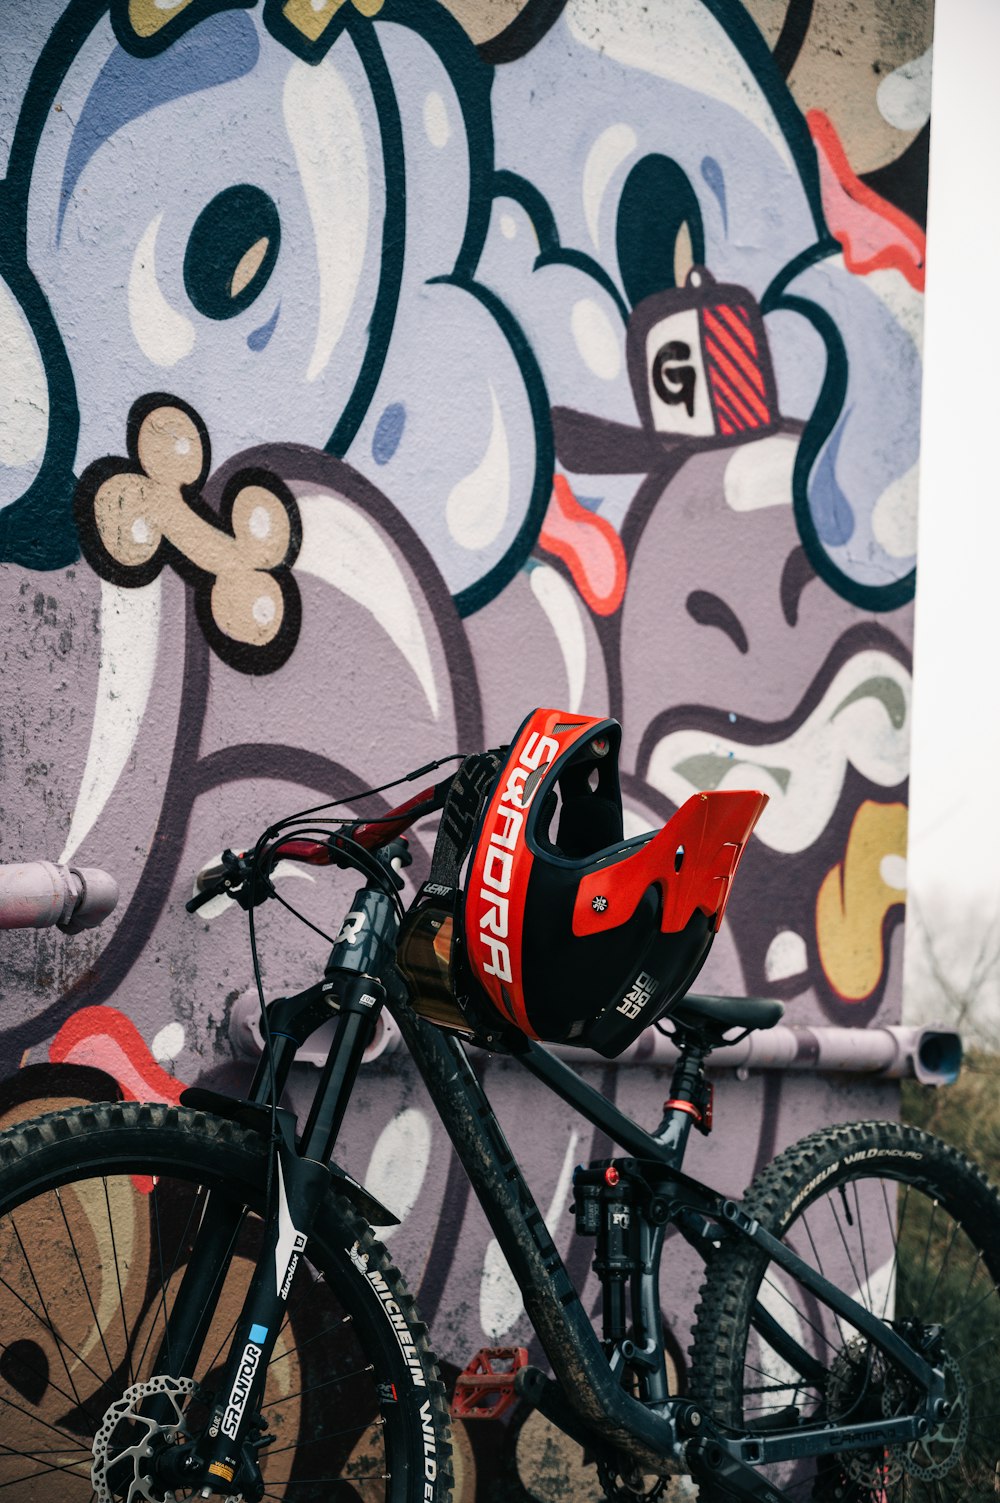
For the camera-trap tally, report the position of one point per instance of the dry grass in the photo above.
(966, 1114)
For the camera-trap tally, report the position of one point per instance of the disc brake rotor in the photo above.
(937, 1452)
(144, 1437)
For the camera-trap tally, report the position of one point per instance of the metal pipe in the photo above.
(931, 1054)
(36, 894)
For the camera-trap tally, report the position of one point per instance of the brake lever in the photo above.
(237, 881)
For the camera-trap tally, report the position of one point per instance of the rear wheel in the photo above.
(907, 1226)
(99, 1206)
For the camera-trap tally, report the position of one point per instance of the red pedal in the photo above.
(485, 1390)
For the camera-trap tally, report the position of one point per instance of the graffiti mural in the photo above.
(372, 371)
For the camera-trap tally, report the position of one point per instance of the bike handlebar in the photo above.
(375, 832)
(37, 894)
(371, 834)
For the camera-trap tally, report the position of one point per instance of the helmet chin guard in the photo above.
(576, 934)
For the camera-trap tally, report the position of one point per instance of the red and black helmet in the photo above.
(572, 932)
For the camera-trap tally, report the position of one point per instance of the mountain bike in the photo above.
(193, 1304)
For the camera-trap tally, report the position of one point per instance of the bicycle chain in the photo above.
(860, 1369)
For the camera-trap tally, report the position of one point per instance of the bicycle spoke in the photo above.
(800, 1313)
(46, 1324)
(71, 1398)
(820, 1269)
(893, 1223)
(930, 1233)
(86, 1287)
(163, 1291)
(972, 1309)
(48, 1469)
(224, 1343)
(35, 1418)
(926, 1224)
(118, 1279)
(955, 1230)
(114, 1262)
(850, 1259)
(303, 1345)
(286, 1398)
(182, 1240)
(322, 1439)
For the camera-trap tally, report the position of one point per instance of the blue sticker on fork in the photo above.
(258, 1335)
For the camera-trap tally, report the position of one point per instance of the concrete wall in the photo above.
(363, 384)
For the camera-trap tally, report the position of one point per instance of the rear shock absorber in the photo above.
(604, 1209)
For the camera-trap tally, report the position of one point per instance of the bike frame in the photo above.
(586, 1398)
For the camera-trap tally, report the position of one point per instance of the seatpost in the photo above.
(689, 1103)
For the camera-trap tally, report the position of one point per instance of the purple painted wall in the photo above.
(371, 373)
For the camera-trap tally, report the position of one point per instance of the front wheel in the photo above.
(99, 1207)
(909, 1228)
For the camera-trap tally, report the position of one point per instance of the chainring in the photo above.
(858, 1381)
(627, 1486)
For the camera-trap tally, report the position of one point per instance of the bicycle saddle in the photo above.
(749, 1013)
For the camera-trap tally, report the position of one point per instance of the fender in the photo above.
(259, 1119)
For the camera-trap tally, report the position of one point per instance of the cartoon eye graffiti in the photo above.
(231, 251)
(659, 231)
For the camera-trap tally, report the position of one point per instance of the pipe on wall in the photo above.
(38, 894)
(930, 1054)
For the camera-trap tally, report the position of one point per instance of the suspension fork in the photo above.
(298, 1182)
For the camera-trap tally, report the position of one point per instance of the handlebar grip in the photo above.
(205, 896)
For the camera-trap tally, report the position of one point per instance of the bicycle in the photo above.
(193, 1304)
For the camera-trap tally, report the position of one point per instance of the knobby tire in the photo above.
(98, 1208)
(911, 1228)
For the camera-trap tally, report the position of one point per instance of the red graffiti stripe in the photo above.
(734, 375)
(102, 1037)
(873, 232)
(736, 322)
(105, 1039)
(736, 362)
(726, 397)
(728, 421)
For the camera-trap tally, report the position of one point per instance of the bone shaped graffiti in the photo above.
(139, 513)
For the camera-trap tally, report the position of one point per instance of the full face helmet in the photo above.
(567, 930)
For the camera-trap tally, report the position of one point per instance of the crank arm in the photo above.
(823, 1440)
(719, 1474)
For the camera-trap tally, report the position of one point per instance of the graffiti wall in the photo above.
(372, 371)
